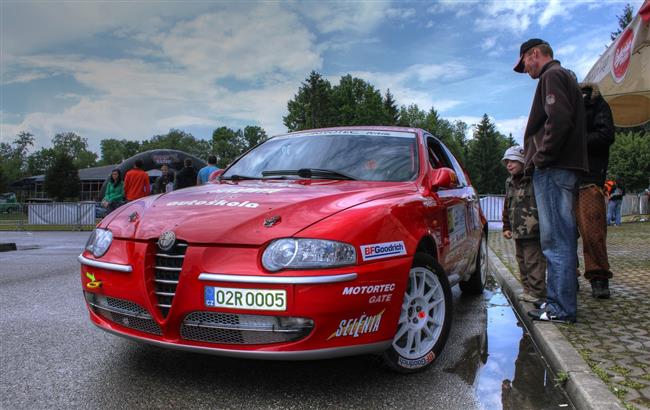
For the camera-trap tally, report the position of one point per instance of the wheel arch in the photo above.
(428, 245)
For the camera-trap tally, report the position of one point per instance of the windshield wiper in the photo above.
(310, 173)
(236, 177)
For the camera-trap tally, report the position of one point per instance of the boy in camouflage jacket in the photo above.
(520, 221)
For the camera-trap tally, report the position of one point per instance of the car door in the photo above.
(455, 203)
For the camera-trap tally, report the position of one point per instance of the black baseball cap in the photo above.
(527, 45)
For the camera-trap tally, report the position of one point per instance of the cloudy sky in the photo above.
(133, 69)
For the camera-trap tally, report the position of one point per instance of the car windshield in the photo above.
(347, 154)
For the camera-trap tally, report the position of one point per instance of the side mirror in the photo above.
(444, 178)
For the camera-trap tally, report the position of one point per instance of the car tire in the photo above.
(476, 283)
(425, 318)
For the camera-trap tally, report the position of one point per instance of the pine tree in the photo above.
(311, 106)
(623, 21)
(391, 111)
(484, 158)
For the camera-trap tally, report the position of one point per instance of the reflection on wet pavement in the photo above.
(503, 365)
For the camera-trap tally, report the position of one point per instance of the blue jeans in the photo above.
(614, 211)
(555, 192)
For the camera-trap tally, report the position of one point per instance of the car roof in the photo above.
(417, 131)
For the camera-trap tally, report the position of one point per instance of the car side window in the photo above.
(439, 157)
(457, 167)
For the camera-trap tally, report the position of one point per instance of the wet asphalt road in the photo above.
(53, 357)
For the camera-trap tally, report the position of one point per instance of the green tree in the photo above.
(76, 147)
(412, 116)
(40, 161)
(4, 182)
(227, 144)
(311, 107)
(391, 112)
(179, 140)
(357, 102)
(623, 21)
(629, 160)
(486, 149)
(253, 135)
(114, 151)
(62, 178)
(13, 157)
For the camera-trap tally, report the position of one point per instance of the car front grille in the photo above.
(123, 312)
(167, 271)
(227, 328)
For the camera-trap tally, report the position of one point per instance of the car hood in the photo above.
(247, 212)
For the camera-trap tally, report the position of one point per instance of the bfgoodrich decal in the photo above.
(382, 250)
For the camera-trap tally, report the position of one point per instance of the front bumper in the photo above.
(352, 312)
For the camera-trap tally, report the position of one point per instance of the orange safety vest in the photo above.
(609, 184)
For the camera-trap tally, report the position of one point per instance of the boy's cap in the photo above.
(525, 46)
(515, 153)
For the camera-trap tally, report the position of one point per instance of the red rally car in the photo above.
(314, 244)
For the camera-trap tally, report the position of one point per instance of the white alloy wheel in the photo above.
(425, 317)
(423, 314)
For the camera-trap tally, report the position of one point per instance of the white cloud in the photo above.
(35, 26)
(184, 86)
(489, 43)
(343, 16)
(243, 45)
(413, 84)
(553, 8)
(402, 14)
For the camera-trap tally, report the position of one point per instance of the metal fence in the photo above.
(634, 204)
(62, 215)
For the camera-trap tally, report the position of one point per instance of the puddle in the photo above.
(503, 365)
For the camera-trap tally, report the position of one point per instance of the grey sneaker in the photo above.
(527, 297)
(544, 316)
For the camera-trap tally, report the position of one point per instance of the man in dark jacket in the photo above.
(186, 177)
(163, 182)
(555, 151)
(591, 212)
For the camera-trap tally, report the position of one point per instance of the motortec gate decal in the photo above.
(382, 250)
(378, 293)
(358, 326)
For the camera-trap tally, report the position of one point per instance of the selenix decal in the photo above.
(94, 283)
(358, 326)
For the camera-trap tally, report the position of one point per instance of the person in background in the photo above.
(136, 182)
(165, 181)
(114, 195)
(520, 221)
(591, 206)
(186, 177)
(615, 201)
(204, 173)
(555, 153)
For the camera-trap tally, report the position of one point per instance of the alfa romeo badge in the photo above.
(166, 240)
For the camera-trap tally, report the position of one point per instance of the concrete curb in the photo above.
(586, 391)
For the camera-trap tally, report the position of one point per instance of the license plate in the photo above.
(238, 298)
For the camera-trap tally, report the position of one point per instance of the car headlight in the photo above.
(99, 242)
(289, 253)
